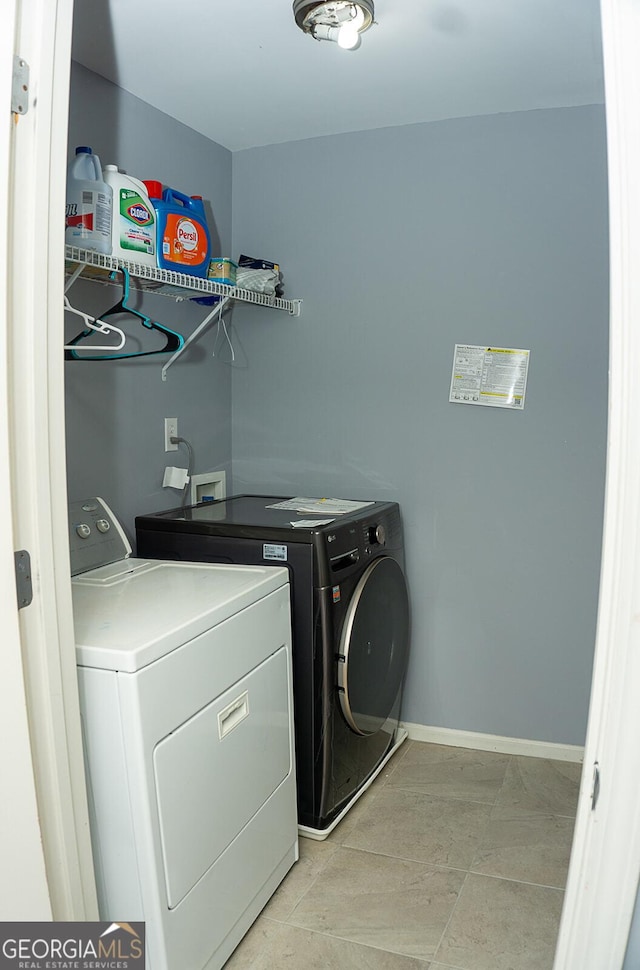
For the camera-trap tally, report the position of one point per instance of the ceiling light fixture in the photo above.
(339, 20)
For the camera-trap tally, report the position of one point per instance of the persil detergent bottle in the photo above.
(183, 235)
(89, 204)
(133, 226)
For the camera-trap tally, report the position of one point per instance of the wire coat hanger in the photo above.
(174, 340)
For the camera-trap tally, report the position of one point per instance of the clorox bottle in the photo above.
(89, 204)
(183, 235)
(133, 226)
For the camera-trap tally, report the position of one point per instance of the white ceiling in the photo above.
(242, 73)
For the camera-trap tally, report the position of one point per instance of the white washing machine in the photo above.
(186, 698)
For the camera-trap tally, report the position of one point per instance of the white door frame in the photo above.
(23, 882)
(605, 861)
(38, 478)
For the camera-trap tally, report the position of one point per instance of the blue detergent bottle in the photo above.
(183, 238)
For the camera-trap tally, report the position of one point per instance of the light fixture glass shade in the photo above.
(338, 20)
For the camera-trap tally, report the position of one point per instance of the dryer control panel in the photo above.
(96, 538)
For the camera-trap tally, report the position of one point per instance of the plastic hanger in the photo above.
(96, 325)
(174, 342)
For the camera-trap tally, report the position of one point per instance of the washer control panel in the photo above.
(96, 538)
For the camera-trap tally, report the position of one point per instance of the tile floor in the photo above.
(454, 858)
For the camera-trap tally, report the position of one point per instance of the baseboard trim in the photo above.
(494, 742)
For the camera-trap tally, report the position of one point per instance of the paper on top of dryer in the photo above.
(310, 523)
(322, 506)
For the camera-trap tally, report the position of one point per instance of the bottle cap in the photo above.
(154, 188)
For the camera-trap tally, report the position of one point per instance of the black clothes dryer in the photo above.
(350, 615)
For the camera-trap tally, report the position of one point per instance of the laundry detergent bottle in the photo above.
(133, 226)
(183, 235)
(89, 204)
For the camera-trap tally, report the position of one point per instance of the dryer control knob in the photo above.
(103, 525)
(377, 535)
(83, 531)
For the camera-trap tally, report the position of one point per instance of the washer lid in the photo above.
(129, 614)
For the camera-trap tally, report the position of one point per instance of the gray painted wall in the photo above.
(116, 410)
(403, 242)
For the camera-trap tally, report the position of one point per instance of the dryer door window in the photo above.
(374, 646)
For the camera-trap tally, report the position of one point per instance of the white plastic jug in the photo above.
(89, 204)
(133, 226)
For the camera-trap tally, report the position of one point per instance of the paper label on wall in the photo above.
(493, 376)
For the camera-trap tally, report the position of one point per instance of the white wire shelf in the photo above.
(178, 286)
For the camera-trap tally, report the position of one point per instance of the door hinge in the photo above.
(24, 587)
(595, 786)
(20, 86)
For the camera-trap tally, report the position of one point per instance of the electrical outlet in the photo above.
(170, 431)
